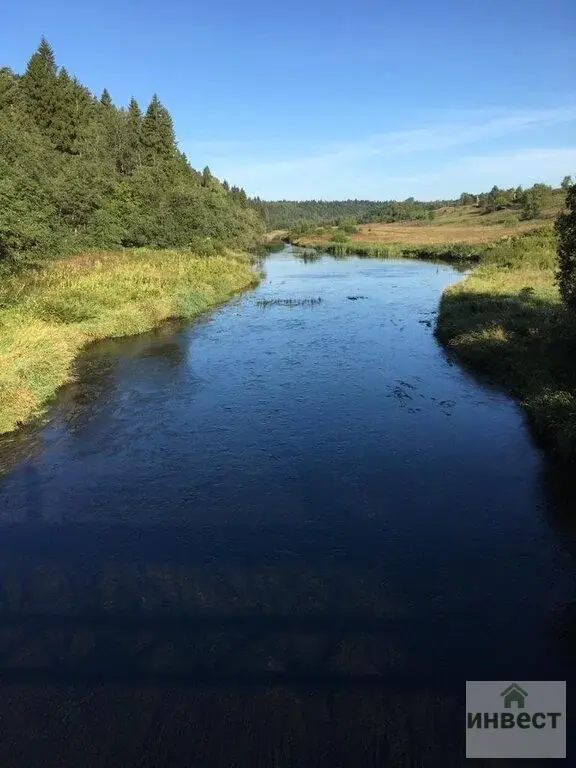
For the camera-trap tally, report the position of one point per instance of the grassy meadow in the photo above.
(506, 320)
(48, 315)
(457, 226)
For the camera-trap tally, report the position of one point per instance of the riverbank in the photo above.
(48, 316)
(444, 251)
(506, 320)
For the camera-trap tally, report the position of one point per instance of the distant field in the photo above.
(436, 233)
(457, 224)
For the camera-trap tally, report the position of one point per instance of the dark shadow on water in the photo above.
(526, 345)
(236, 646)
(189, 604)
(92, 385)
(293, 645)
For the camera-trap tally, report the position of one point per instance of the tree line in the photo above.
(529, 202)
(285, 214)
(77, 172)
(308, 214)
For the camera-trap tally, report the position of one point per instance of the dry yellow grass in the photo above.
(274, 234)
(451, 224)
(47, 317)
(417, 233)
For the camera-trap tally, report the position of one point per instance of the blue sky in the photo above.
(336, 99)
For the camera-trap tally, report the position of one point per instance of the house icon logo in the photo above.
(504, 719)
(514, 695)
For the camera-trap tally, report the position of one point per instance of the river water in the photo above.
(283, 535)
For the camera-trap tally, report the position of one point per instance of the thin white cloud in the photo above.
(451, 134)
(353, 167)
(476, 173)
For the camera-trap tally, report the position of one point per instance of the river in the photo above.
(292, 528)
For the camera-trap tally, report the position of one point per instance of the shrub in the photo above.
(206, 246)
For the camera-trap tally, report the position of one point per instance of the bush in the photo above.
(339, 237)
(206, 246)
(535, 249)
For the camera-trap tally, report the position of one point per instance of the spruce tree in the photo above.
(39, 85)
(106, 99)
(158, 140)
(62, 128)
(76, 172)
(8, 88)
(206, 177)
(134, 111)
(132, 144)
(46, 55)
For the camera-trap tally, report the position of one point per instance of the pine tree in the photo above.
(46, 55)
(62, 128)
(158, 140)
(39, 85)
(77, 172)
(206, 177)
(130, 156)
(8, 87)
(106, 99)
(81, 100)
(242, 197)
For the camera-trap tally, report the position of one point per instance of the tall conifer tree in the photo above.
(133, 142)
(39, 85)
(206, 177)
(106, 99)
(158, 140)
(76, 172)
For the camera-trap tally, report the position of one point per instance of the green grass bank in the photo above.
(48, 315)
(441, 251)
(506, 320)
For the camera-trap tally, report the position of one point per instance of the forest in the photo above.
(282, 214)
(307, 214)
(78, 172)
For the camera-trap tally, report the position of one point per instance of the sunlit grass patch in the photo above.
(48, 315)
(506, 319)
